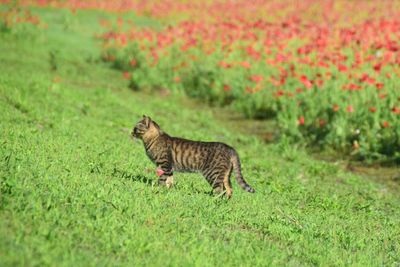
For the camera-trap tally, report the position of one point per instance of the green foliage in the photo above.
(75, 190)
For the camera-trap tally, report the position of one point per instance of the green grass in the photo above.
(77, 191)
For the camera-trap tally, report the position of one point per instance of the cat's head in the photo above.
(145, 127)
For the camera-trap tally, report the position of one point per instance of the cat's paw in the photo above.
(170, 181)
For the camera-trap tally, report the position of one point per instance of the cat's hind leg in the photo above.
(219, 181)
(227, 182)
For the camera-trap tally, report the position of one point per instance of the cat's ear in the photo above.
(147, 120)
(146, 117)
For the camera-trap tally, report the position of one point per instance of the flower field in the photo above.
(328, 77)
(327, 71)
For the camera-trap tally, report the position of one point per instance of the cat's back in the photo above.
(182, 143)
(190, 155)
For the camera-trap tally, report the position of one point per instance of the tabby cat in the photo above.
(213, 159)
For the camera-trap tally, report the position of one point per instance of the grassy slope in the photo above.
(75, 190)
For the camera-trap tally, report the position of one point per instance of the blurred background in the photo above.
(324, 72)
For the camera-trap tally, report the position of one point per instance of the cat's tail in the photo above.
(238, 171)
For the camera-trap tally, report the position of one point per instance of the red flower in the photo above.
(342, 68)
(245, 64)
(366, 78)
(379, 86)
(372, 109)
(378, 67)
(300, 121)
(323, 64)
(385, 124)
(256, 78)
(253, 53)
(396, 110)
(335, 108)
(227, 88)
(123, 39)
(350, 109)
(305, 81)
(322, 123)
(275, 82)
(279, 93)
(133, 62)
(177, 79)
(225, 65)
(353, 87)
(127, 75)
(320, 83)
(382, 96)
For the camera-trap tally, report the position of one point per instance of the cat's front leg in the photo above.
(165, 177)
(167, 180)
(170, 181)
(164, 170)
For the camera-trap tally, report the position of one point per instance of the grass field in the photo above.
(77, 191)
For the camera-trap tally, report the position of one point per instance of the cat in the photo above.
(213, 159)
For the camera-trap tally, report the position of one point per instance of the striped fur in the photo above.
(213, 159)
